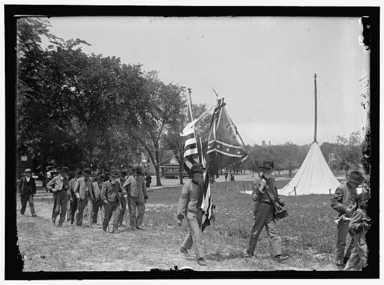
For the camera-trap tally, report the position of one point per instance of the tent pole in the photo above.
(315, 135)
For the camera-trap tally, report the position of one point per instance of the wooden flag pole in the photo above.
(190, 104)
(315, 134)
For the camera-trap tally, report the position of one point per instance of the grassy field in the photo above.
(308, 236)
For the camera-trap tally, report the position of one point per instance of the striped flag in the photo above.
(191, 151)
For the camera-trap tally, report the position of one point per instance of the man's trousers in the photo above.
(342, 234)
(194, 236)
(264, 219)
(28, 198)
(359, 253)
(96, 207)
(136, 215)
(122, 210)
(72, 209)
(60, 201)
(82, 204)
(111, 208)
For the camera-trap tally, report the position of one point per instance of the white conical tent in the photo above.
(314, 175)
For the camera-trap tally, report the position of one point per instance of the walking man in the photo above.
(265, 195)
(72, 197)
(27, 189)
(138, 197)
(59, 186)
(123, 197)
(189, 206)
(344, 201)
(97, 202)
(111, 199)
(83, 188)
(148, 180)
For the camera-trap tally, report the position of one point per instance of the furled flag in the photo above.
(207, 205)
(225, 147)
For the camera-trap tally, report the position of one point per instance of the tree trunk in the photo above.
(181, 173)
(157, 166)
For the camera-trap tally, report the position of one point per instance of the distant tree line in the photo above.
(344, 154)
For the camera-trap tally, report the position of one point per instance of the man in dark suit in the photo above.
(27, 189)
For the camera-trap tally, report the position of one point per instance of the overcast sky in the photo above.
(263, 66)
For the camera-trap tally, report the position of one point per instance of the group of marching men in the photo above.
(109, 193)
(114, 191)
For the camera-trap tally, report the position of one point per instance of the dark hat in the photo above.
(87, 171)
(267, 165)
(28, 170)
(139, 170)
(356, 177)
(197, 168)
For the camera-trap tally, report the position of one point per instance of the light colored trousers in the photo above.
(136, 212)
(359, 253)
(341, 243)
(194, 237)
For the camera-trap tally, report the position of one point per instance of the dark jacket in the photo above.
(110, 192)
(27, 188)
(261, 187)
(344, 200)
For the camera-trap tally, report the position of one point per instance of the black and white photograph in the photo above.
(192, 140)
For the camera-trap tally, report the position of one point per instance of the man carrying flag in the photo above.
(189, 206)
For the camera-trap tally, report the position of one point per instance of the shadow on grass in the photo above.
(218, 256)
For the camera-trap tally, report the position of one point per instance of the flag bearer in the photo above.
(265, 196)
(189, 206)
(111, 199)
(27, 189)
(59, 185)
(344, 202)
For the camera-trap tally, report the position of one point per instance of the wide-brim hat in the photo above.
(87, 171)
(267, 165)
(356, 177)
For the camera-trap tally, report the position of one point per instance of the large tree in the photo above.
(163, 103)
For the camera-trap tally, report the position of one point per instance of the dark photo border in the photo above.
(13, 261)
